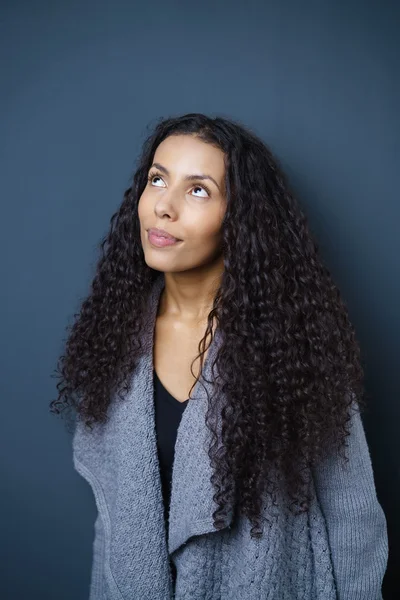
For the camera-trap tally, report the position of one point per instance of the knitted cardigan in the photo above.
(335, 551)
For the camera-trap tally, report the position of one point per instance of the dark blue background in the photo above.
(80, 84)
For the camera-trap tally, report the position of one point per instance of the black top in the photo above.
(168, 413)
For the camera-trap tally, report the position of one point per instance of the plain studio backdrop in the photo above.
(80, 84)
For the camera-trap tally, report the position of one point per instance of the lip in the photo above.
(161, 239)
(154, 231)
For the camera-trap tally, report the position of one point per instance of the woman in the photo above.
(248, 477)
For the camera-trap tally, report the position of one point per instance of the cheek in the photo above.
(207, 236)
(209, 226)
(142, 208)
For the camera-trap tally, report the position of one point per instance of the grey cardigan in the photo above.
(337, 551)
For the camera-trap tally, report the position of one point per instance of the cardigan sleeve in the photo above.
(96, 577)
(355, 520)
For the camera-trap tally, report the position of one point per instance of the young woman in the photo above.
(217, 381)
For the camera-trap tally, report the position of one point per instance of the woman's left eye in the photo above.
(200, 187)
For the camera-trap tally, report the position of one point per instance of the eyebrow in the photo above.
(187, 177)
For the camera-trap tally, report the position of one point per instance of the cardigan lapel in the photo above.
(119, 459)
(191, 504)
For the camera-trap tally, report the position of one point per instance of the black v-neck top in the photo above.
(168, 413)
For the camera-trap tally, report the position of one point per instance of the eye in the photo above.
(153, 176)
(200, 187)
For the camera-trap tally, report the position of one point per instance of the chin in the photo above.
(157, 263)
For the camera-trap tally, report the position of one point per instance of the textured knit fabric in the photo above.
(336, 551)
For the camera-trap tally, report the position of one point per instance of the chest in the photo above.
(175, 346)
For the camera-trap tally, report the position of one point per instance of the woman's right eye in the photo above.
(153, 176)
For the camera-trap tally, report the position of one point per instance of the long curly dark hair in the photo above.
(289, 363)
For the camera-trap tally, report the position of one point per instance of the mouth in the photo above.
(160, 239)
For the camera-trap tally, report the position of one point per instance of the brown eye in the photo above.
(153, 176)
(200, 187)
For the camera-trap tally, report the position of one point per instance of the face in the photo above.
(191, 210)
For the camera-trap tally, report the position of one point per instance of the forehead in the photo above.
(186, 154)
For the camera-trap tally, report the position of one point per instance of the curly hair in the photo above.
(289, 362)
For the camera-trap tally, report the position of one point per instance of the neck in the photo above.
(188, 296)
